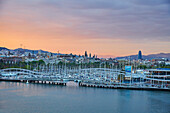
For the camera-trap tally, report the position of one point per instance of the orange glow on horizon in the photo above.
(74, 33)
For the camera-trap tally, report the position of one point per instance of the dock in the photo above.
(123, 87)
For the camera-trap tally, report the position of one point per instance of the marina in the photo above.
(152, 79)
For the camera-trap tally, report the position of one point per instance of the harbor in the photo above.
(84, 56)
(92, 77)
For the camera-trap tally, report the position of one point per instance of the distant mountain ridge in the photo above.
(149, 57)
(3, 48)
(31, 51)
(28, 50)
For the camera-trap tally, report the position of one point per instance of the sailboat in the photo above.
(27, 82)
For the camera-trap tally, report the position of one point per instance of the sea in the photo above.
(17, 97)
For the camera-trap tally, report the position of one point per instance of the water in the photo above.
(40, 98)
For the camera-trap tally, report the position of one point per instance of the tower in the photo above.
(90, 55)
(140, 55)
(86, 54)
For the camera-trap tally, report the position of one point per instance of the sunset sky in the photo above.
(108, 28)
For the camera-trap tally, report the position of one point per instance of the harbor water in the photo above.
(18, 97)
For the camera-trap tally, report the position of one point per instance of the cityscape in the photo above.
(84, 56)
(13, 57)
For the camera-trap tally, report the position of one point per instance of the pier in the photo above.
(52, 82)
(123, 87)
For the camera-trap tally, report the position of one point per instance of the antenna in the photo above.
(58, 53)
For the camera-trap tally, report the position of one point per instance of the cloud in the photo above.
(129, 20)
(152, 2)
(1, 3)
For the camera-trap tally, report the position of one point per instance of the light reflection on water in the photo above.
(20, 97)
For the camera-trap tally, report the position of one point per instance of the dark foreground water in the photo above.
(41, 98)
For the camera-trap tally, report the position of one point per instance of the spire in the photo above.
(86, 55)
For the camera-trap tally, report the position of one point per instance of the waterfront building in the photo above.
(160, 76)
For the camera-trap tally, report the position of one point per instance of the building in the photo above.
(90, 55)
(167, 63)
(12, 60)
(159, 76)
(86, 55)
(140, 55)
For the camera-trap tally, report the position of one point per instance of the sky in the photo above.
(108, 28)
